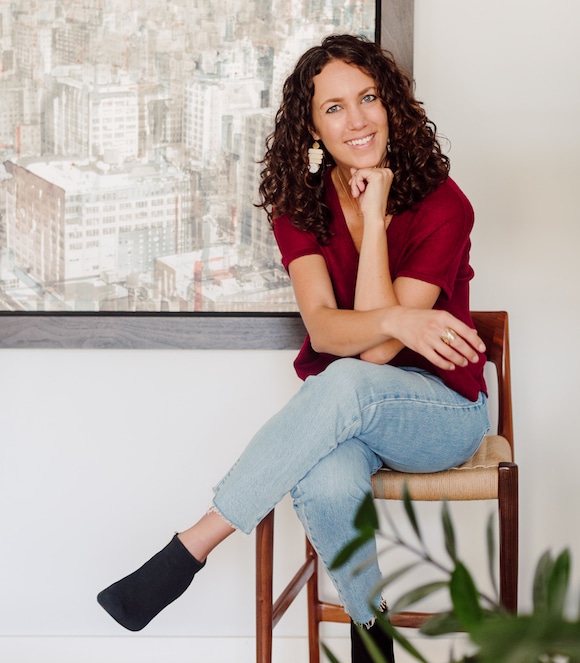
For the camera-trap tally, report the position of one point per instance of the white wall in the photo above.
(105, 453)
(502, 81)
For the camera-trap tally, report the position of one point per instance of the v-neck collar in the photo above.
(338, 215)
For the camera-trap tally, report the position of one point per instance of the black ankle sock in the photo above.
(137, 598)
(383, 641)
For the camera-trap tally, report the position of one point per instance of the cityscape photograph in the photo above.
(131, 135)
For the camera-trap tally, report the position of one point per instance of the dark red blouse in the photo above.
(429, 242)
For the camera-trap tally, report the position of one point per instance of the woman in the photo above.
(375, 238)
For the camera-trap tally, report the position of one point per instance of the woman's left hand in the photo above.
(437, 335)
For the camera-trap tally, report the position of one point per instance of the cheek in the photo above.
(382, 118)
(331, 126)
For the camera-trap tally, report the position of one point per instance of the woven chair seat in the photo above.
(474, 480)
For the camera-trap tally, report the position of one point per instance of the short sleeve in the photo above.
(292, 242)
(434, 241)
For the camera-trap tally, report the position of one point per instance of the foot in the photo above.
(137, 598)
(382, 640)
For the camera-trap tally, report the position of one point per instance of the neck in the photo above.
(343, 185)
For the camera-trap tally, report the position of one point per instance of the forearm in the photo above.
(351, 333)
(374, 286)
(346, 333)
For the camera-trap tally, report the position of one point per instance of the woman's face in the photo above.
(348, 116)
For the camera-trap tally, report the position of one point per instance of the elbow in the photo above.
(319, 346)
(383, 353)
(373, 357)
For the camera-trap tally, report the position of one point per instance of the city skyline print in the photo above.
(131, 133)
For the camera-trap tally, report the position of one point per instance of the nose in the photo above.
(356, 117)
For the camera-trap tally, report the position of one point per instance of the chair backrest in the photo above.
(492, 327)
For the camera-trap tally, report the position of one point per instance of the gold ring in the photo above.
(448, 336)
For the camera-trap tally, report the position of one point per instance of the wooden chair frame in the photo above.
(493, 329)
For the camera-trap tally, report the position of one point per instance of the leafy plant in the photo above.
(545, 635)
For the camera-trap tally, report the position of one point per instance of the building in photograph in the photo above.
(71, 224)
(126, 127)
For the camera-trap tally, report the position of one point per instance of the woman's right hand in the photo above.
(371, 186)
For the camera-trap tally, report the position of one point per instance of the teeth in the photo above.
(360, 141)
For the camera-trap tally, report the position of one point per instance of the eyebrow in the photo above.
(336, 100)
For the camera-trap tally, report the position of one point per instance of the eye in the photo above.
(368, 97)
(333, 109)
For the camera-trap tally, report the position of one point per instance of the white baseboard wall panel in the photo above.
(143, 649)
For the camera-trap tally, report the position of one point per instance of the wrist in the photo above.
(375, 220)
(391, 321)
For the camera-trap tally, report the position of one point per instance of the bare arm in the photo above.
(411, 293)
(374, 287)
(332, 330)
(387, 316)
(350, 333)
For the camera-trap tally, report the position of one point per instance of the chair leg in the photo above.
(508, 535)
(264, 592)
(313, 609)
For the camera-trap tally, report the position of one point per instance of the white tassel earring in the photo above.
(315, 156)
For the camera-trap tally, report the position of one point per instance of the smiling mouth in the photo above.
(360, 141)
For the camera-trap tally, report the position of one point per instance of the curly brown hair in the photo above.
(414, 153)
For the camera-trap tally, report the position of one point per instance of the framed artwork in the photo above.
(131, 134)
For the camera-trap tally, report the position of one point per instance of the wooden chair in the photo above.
(489, 474)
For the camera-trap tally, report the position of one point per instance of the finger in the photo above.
(371, 179)
(358, 183)
(460, 346)
(453, 356)
(363, 176)
(468, 341)
(438, 359)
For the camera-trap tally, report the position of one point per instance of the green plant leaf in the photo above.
(449, 532)
(417, 594)
(465, 597)
(392, 524)
(442, 623)
(371, 646)
(526, 638)
(367, 522)
(540, 584)
(388, 580)
(386, 625)
(350, 549)
(410, 510)
(445, 623)
(331, 657)
(366, 518)
(558, 584)
(490, 539)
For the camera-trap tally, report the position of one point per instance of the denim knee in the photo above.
(346, 374)
(343, 474)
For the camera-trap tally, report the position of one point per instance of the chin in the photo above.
(370, 162)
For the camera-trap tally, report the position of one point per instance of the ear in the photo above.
(314, 135)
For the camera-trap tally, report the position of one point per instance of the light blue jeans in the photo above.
(327, 442)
